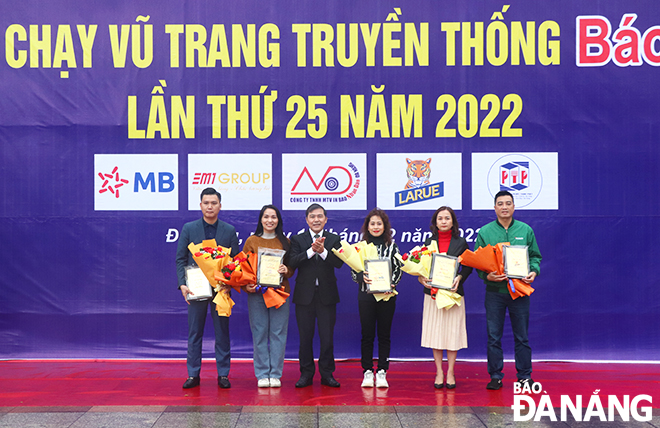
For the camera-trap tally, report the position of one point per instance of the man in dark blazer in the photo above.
(208, 227)
(315, 295)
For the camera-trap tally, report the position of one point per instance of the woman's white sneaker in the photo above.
(368, 381)
(381, 381)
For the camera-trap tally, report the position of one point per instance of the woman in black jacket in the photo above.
(377, 315)
(445, 328)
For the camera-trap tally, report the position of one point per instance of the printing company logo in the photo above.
(514, 176)
(146, 183)
(332, 179)
(243, 179)
(523, 400)
(111, 182)
(418, 187)
(335, 180)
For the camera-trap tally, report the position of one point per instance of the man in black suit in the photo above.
(207, 227)
(315, 295)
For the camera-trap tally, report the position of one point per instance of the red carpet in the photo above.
(149, 383)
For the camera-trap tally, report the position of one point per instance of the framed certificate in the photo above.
(516, 261)
(380, 274)
(198, 284)
(269, 261)
(443, 271)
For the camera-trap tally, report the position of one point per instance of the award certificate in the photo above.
(443, 271)
(198, 284)
(380, 274)
(516, 261)
(269, 261)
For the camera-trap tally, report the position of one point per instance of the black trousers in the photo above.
(307, 316)
(376, 317)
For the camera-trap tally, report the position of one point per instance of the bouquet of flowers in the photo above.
(211, 258)
(239, 271)
(355, 255)
(417, 262)
(491, 259)
(242, 271)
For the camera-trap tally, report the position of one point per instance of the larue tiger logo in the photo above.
(419, 173)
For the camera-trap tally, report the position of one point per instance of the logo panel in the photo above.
(336, 181)
(418, 181)
(136, 182)
(532, 179)
(245, 181)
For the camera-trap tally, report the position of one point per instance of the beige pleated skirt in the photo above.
(442, 328)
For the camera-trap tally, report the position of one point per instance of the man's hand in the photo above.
(317, 245)
(185, 291)
(251, 288)
(283, 270)
(424, 281)
(494, 277)
(530, 278)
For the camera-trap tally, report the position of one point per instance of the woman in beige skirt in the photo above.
(445, 328)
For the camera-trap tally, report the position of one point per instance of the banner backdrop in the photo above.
(115, 116)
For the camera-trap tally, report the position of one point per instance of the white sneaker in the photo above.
(275, 383)
(368, 381)
(381, 382)
(263, 383)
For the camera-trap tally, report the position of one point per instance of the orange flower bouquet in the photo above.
(211, 258)
(491, 259)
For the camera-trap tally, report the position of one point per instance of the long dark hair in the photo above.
(278, 229)
(434, 222)
(387, 230)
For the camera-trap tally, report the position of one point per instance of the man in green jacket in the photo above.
(498, 299)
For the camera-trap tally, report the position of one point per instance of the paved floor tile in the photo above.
(445, 420)
(116, 420)
(279, 420)
(40, 420)
(501, 420)
(197, 419)
(356, 420)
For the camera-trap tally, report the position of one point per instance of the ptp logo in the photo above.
(514, 176)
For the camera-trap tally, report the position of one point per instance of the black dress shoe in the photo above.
(304, 381)
(223, 382)
(191, 382)
(439, 385)
(330, 381)
(494, 384)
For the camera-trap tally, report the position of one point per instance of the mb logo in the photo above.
(514, 176)
(165, 182)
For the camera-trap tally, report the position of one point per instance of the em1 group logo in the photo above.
(136, 182)
(245, 181)
(337, 181)
(532, 179)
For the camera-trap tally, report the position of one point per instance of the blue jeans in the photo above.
(197, 311)
(268, 325)
(496, 306)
